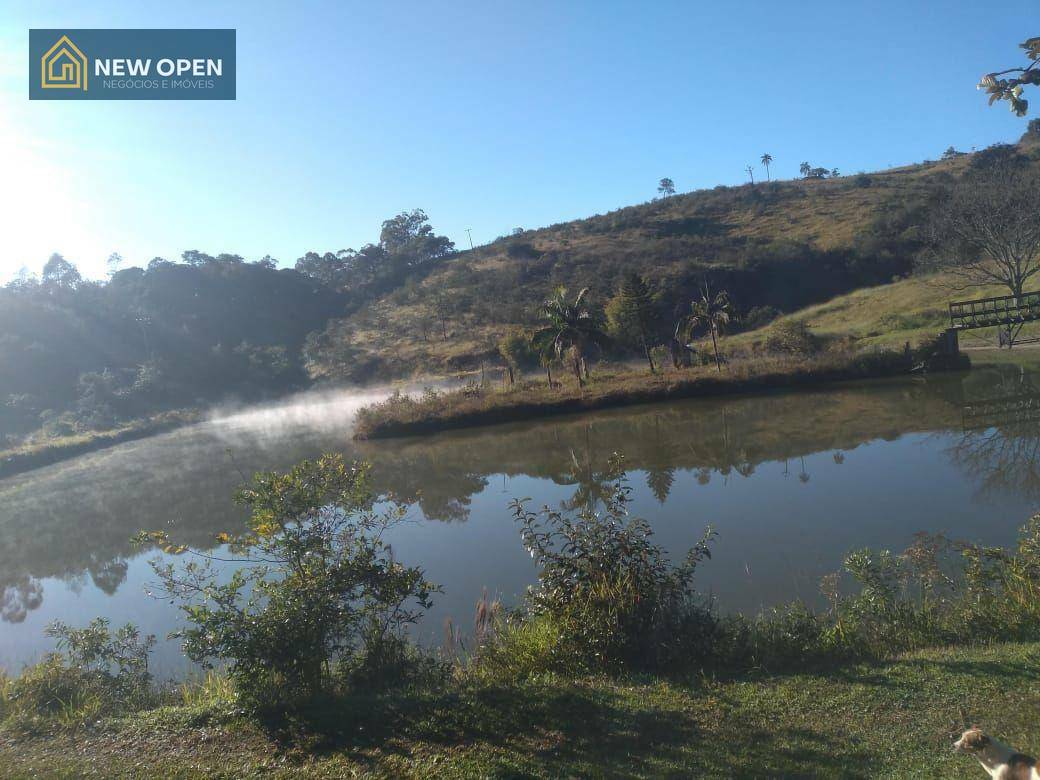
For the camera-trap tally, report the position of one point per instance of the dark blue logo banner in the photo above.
(131, 64)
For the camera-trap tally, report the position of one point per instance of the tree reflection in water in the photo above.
(184, 481)
(19, 597)
(1000, 443)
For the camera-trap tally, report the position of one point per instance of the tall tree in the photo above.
(805, 169)
(1010, 89)
(712, 312)
(986, 230)
(516, 349)
(767, 160)
(328, 268)
(411, 235)
(751, 173)
(632, 315)
(666, 187)
(60, 274)
(114, 262)
(573, 328)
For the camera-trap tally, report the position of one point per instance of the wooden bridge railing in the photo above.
(1009, 410)
(1001, 310)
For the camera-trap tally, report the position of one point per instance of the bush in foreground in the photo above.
(317, 599)
(96, 672)
(607, 598)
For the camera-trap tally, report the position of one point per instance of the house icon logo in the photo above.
(63, 66)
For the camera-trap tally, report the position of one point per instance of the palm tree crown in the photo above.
(767, 160)
(573, 326)
(709, 311)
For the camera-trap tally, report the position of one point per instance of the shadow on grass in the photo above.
(564, 729)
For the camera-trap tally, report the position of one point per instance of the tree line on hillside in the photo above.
(78, 354)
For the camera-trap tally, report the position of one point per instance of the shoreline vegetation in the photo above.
(481, 404)
(35, 455)
(612, 664)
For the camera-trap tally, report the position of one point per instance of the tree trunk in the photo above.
(649, 357)
(510, 370)
(548, 374)
(715, 346)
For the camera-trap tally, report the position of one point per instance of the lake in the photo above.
(790, 481)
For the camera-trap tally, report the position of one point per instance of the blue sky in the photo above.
(487, 115)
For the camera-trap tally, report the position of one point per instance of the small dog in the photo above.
(1002, 762)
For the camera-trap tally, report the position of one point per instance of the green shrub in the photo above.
(316, 586)
(610, 593)
(96, 672)
(936, 592)
(518, 352)
(793, 338)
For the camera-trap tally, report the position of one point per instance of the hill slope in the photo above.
(782, 245)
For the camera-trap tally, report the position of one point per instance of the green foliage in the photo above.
(517, 349)
(937, 592)
(77, 346)
(632, 316)
(613, 599)
(710, 311)
(792, 337)
(96, 672)
(574, 327)
(316, 585)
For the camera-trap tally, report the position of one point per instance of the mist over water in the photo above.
(329, 410)
(326, 411)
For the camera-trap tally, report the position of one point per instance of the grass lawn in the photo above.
(896, 719)
(889, 315)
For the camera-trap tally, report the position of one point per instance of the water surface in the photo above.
(791, 482)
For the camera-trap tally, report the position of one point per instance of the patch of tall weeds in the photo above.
(96, 672)
(608, 598)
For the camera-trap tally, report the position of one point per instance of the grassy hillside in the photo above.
(784, 245)
(888, 315)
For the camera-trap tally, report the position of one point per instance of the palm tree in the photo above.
(712, 312)
(573, 327)
(767, 160)
(805, 169)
